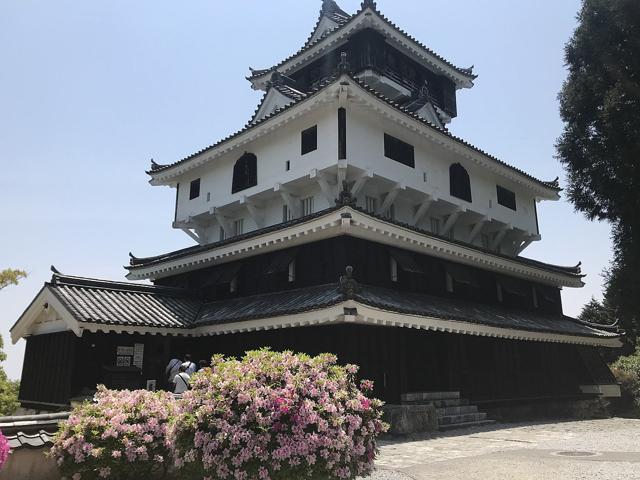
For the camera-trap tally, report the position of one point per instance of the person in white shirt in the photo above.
(173, 367)
(189, 365)
(181, 381)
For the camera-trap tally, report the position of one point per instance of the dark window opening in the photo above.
(194, 189)
(342, 134)
(309, 140)
(399, 151)
(245, 173)
(459, 184)
(506, 198)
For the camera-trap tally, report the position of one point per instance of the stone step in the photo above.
(452, 402)
(460, 410)
(428, 396)
(453, 426)
(463, 418)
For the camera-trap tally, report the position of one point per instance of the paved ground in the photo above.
(592, 449)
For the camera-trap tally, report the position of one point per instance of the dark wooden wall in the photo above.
(60, 366)
(372, 267)
(49, 361)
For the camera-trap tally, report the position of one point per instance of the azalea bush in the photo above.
(276, 416)
(4, 450)
(122, 434)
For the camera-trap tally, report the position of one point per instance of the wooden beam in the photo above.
(360, 182)
(451, 220)
(192, 235)
(389, 199)
(257, 214)
(523, 245)
(326, 184)
(499, 236)
(477, 228)
(222, 220)
(422, 209)
(291, 201)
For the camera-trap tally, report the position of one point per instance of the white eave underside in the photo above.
(355, 93)
(358, 225)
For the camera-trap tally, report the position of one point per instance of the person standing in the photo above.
(189, 365)
(172, 370)
(181, 380)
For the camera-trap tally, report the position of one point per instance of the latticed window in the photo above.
(370, 204)
(238, 226)
(435, 225)
(307, 206)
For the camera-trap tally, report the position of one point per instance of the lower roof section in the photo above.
(79, 304)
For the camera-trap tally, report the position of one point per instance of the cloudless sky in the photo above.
(91, 90)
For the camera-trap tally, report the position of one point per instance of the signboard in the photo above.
(123, 361)
(138, 354)
(123, 351)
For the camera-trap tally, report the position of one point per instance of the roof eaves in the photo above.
(138, 263)
(143, 262)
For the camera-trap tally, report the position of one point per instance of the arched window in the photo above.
(245, 173)
(459, 184)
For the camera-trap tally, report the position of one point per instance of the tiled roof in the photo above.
(117, 303)
(34, 440)
(124, 310)
(286, 90)
(332, 11)
(468, 72)
(460, 310)
(31, 431)
(270, 305)
(144, 262)
(330, 81)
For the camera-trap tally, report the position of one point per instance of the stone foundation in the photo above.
(408, 419)
(565, 409)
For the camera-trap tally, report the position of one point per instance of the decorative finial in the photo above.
(343, 66)
(348, 285)
(276, 78)
(368, 4)
(55, 270)
(423, 93)
(155, 166)
(329, 6)
(345, 199)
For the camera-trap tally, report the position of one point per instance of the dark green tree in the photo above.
(600, 145)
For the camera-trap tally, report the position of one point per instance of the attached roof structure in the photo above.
(100, 305)
(345, 26)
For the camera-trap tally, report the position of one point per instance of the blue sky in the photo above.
(90, 91)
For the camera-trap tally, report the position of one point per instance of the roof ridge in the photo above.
(59, 279)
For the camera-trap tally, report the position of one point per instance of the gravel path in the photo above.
(593, 449)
